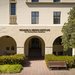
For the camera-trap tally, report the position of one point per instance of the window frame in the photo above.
(35, 1)
(57, 17)
(35, 17)
(12, 8)
(56, 0)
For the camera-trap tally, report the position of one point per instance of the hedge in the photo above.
(12, 59)
(68, 59)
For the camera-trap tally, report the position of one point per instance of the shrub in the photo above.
(12, 59)
(68, 59)
(15, 68)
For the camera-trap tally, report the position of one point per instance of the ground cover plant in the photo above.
(8, 68)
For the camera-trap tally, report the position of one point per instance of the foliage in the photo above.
(68, 59)
(12, 59)
(15, 68)
(68, 38)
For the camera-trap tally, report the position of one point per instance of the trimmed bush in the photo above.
(12, 59)
(68, 59)
(15, 68)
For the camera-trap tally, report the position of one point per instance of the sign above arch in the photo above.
(35, 30)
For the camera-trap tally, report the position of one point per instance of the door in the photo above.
(35, 48)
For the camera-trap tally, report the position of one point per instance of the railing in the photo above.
(13, 19)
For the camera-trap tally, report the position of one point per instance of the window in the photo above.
(35, 17)
(13, 18)
(56, 0)
(56, 17)
(13, 8)
(35, 0)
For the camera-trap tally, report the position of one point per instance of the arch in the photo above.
(8, 45)
(58, 47)
(58, 41)
(39, 40)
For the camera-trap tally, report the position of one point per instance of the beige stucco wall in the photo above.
(4, 12)
(45, 13)
(68, 1)
(20, 36)
(23, 12)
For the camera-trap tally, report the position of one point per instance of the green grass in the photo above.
(7, 68)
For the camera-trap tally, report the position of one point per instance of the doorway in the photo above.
(34, 47)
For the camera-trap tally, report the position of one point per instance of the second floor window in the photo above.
(35, 0)
(56, 17)
(56, 0)
(12, 8)
(35, 17)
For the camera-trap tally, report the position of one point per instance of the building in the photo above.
(33, 27)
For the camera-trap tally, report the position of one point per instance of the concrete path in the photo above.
(39, 67)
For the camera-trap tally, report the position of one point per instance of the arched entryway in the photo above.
(7, 45)
(34, 47)
(58, 47)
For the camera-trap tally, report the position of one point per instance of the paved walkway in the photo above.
(39, 67)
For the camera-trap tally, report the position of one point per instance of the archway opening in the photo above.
(34, 48)
(7, 45)
(58, 48)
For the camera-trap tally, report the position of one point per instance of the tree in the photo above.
(68, 38)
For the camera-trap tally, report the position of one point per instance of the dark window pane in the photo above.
(13, 8)
(56, 0)
(35, 17)
(35, 0)
(35, 14)
(56, 17)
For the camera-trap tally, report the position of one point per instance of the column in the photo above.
(48, 50)
(73, 52)
(20, 50)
